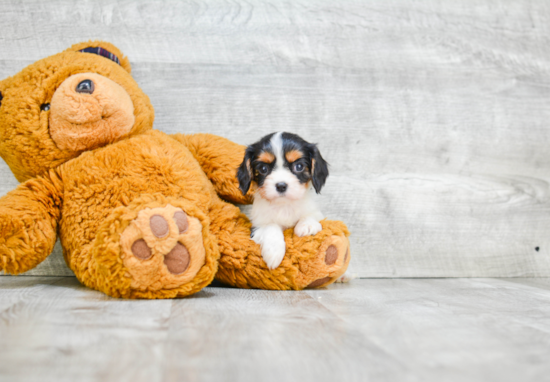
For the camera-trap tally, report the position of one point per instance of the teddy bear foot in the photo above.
(162, 248)
(332, 260)
(158, 249)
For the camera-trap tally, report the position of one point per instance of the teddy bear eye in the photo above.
(1, 97)
(45, 107)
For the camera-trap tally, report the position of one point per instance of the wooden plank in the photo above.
(433, 115)
(251, 335)
(452, 329)
(53, 329)
(67, 332)
(56, 329)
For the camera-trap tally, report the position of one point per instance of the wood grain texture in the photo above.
(54, 329)
(452, 329)
(433, 115)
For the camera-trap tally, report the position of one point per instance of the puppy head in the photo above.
(282, 165)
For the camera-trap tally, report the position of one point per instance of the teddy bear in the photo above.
(139, 213)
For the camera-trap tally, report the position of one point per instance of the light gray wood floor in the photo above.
(54, 329)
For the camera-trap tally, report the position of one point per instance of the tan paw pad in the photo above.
(181, 221)
(318, 283)
(141, 250)
(159, 226)
(331, 255)
(177, 260)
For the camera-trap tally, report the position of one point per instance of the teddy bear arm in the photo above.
(219, 158)
(28, 224)
(309, 262)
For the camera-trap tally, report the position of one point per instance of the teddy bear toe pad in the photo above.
(141, 250)
(162, 248)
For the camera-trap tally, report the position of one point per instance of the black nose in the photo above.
(281, 187)
(86, 86)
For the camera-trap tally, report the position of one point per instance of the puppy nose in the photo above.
(86, 86)
(281, 187)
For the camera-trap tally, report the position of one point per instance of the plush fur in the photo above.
(140, 214)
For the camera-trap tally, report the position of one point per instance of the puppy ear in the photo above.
(319, 170)
(244, 174)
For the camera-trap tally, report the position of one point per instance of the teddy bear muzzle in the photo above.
(88, 111)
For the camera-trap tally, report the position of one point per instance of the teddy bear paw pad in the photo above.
(332, 261)
(162, 248)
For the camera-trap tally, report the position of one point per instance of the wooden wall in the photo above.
(434, 115)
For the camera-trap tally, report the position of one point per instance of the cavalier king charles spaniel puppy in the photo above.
(285, 168)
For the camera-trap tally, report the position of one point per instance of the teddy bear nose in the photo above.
(86, 86)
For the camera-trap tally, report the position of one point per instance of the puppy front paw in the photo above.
(307, 227)
(273, 254)
(272, 243)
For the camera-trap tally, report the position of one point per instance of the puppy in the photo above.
(284, 167)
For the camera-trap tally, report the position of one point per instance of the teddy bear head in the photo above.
(75, 101)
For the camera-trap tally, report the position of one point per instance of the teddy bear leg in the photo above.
(309, 262)
(159, 249)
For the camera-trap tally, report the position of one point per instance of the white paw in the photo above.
(273, 254)
(346, 277)
(272, 243)
(307, 227)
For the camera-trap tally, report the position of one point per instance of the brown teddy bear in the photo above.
(140, 214)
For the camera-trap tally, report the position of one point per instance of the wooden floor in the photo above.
(54, 329)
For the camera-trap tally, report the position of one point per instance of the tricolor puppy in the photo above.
(284, 167)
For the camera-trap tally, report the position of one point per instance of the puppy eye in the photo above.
(262, 169)
(45, 107)
(298, 167)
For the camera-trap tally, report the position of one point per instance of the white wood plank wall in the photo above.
(434, 114)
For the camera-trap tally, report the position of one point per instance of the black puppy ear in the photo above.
(319, 170)
(244, 174)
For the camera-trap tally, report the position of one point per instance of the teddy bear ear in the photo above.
(104, 49)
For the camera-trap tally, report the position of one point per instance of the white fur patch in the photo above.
(282, 211)
(277, 146)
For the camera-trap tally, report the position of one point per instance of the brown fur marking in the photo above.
(293, 156)
(266, 157)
